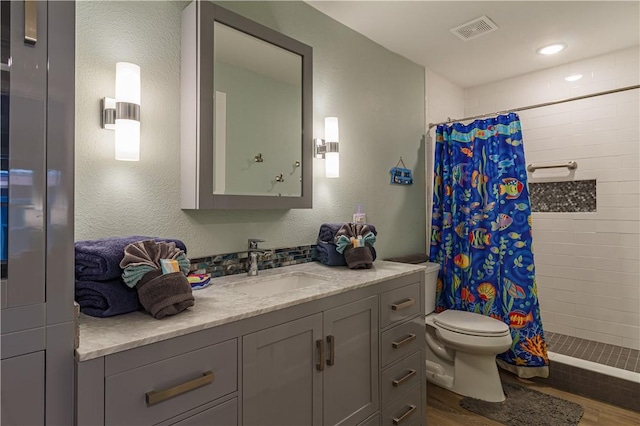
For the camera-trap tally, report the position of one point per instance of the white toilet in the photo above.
(462, 347)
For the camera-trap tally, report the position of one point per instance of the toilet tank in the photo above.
(430, 280)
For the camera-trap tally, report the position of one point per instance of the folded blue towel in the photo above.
(100, 259)
(106, 298)
(328, 255)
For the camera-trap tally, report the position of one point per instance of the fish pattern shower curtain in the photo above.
(481, 234)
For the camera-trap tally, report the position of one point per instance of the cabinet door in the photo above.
(281, 376)
(23, 390)
(23, 178)
(351, 377)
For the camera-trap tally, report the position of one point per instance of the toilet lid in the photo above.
(470, 323)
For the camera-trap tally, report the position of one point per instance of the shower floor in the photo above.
(588, 350)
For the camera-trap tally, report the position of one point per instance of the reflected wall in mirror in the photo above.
(258, 116)
(246, 114)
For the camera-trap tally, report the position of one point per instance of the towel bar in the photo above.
(571, 165)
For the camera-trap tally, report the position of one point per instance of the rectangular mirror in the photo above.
(246, 114)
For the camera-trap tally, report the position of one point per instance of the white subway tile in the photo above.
(598, 337)
(631, 343)
(559, 307)
(555, 327)
(624, 57)
(629, 187)
(606, 239)
(598, 313)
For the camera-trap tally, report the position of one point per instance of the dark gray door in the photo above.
(282, 374)
(24, 377)
(24, 175)
(351, 377)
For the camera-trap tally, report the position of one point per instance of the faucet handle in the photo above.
(253, 243)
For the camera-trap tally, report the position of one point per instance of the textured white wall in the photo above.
(587, 264)
(443, 100)
(377, 95)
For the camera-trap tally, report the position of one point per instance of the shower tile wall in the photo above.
(587, 263)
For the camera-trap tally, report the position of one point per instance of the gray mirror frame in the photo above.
(197, 128)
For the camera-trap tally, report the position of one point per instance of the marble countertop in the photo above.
(222, 303)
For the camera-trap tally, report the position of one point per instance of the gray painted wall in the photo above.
(377, 95)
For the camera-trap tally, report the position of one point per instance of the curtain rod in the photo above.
(577, 98)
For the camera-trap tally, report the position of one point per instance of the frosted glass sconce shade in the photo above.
(329, 147)
(125, 117)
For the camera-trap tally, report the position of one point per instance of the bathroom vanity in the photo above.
(301, 345)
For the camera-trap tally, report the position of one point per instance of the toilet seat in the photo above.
(470, 323)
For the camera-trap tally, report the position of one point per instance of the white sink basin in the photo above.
(277, 284)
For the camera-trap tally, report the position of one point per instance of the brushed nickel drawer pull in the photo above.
(403, 379)
(331, 341)
(412, 409)
(154, 397)
(320, 346)
(30, 21)
(403, 305)
(404, 341)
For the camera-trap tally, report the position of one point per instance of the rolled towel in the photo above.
(99, 260)
(358, 257)
(165, 294)
(410, 258)
(142, 257)
(106, 298)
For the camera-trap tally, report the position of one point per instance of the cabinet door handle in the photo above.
(404, 378)
(412, 409)
(154, 397)
(403, 305)
(404, 341)
(30, 21)
(320, 363)
(331, 341)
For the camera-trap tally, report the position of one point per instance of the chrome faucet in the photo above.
(254, 251)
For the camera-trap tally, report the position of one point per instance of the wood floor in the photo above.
(443, 408)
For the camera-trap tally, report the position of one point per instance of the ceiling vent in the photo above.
(474, 29)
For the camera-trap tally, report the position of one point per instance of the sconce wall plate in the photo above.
(322, 147)
(121, 110)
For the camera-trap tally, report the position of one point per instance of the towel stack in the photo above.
(328, 250)
(99, 288)
(159, 272)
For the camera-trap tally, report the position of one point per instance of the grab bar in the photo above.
(571, 165)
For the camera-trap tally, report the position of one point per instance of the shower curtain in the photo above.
(481, 234)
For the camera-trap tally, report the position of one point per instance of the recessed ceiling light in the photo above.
(574, 77)
(552, 49)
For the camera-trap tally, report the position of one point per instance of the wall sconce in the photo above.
(328, 148)
(122, 114)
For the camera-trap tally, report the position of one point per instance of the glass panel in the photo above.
(4, 141)
(258, 116)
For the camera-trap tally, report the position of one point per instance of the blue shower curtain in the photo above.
(481, 234)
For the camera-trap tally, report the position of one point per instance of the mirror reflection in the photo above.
(257, 116)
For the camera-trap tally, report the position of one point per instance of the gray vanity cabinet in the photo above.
(321, 369)
(25, 403)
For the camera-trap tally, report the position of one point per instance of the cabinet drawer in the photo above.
(406, 411)
(401, 376)
(225, 414)
(164, 389)
(401, 340)
(399, 304)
